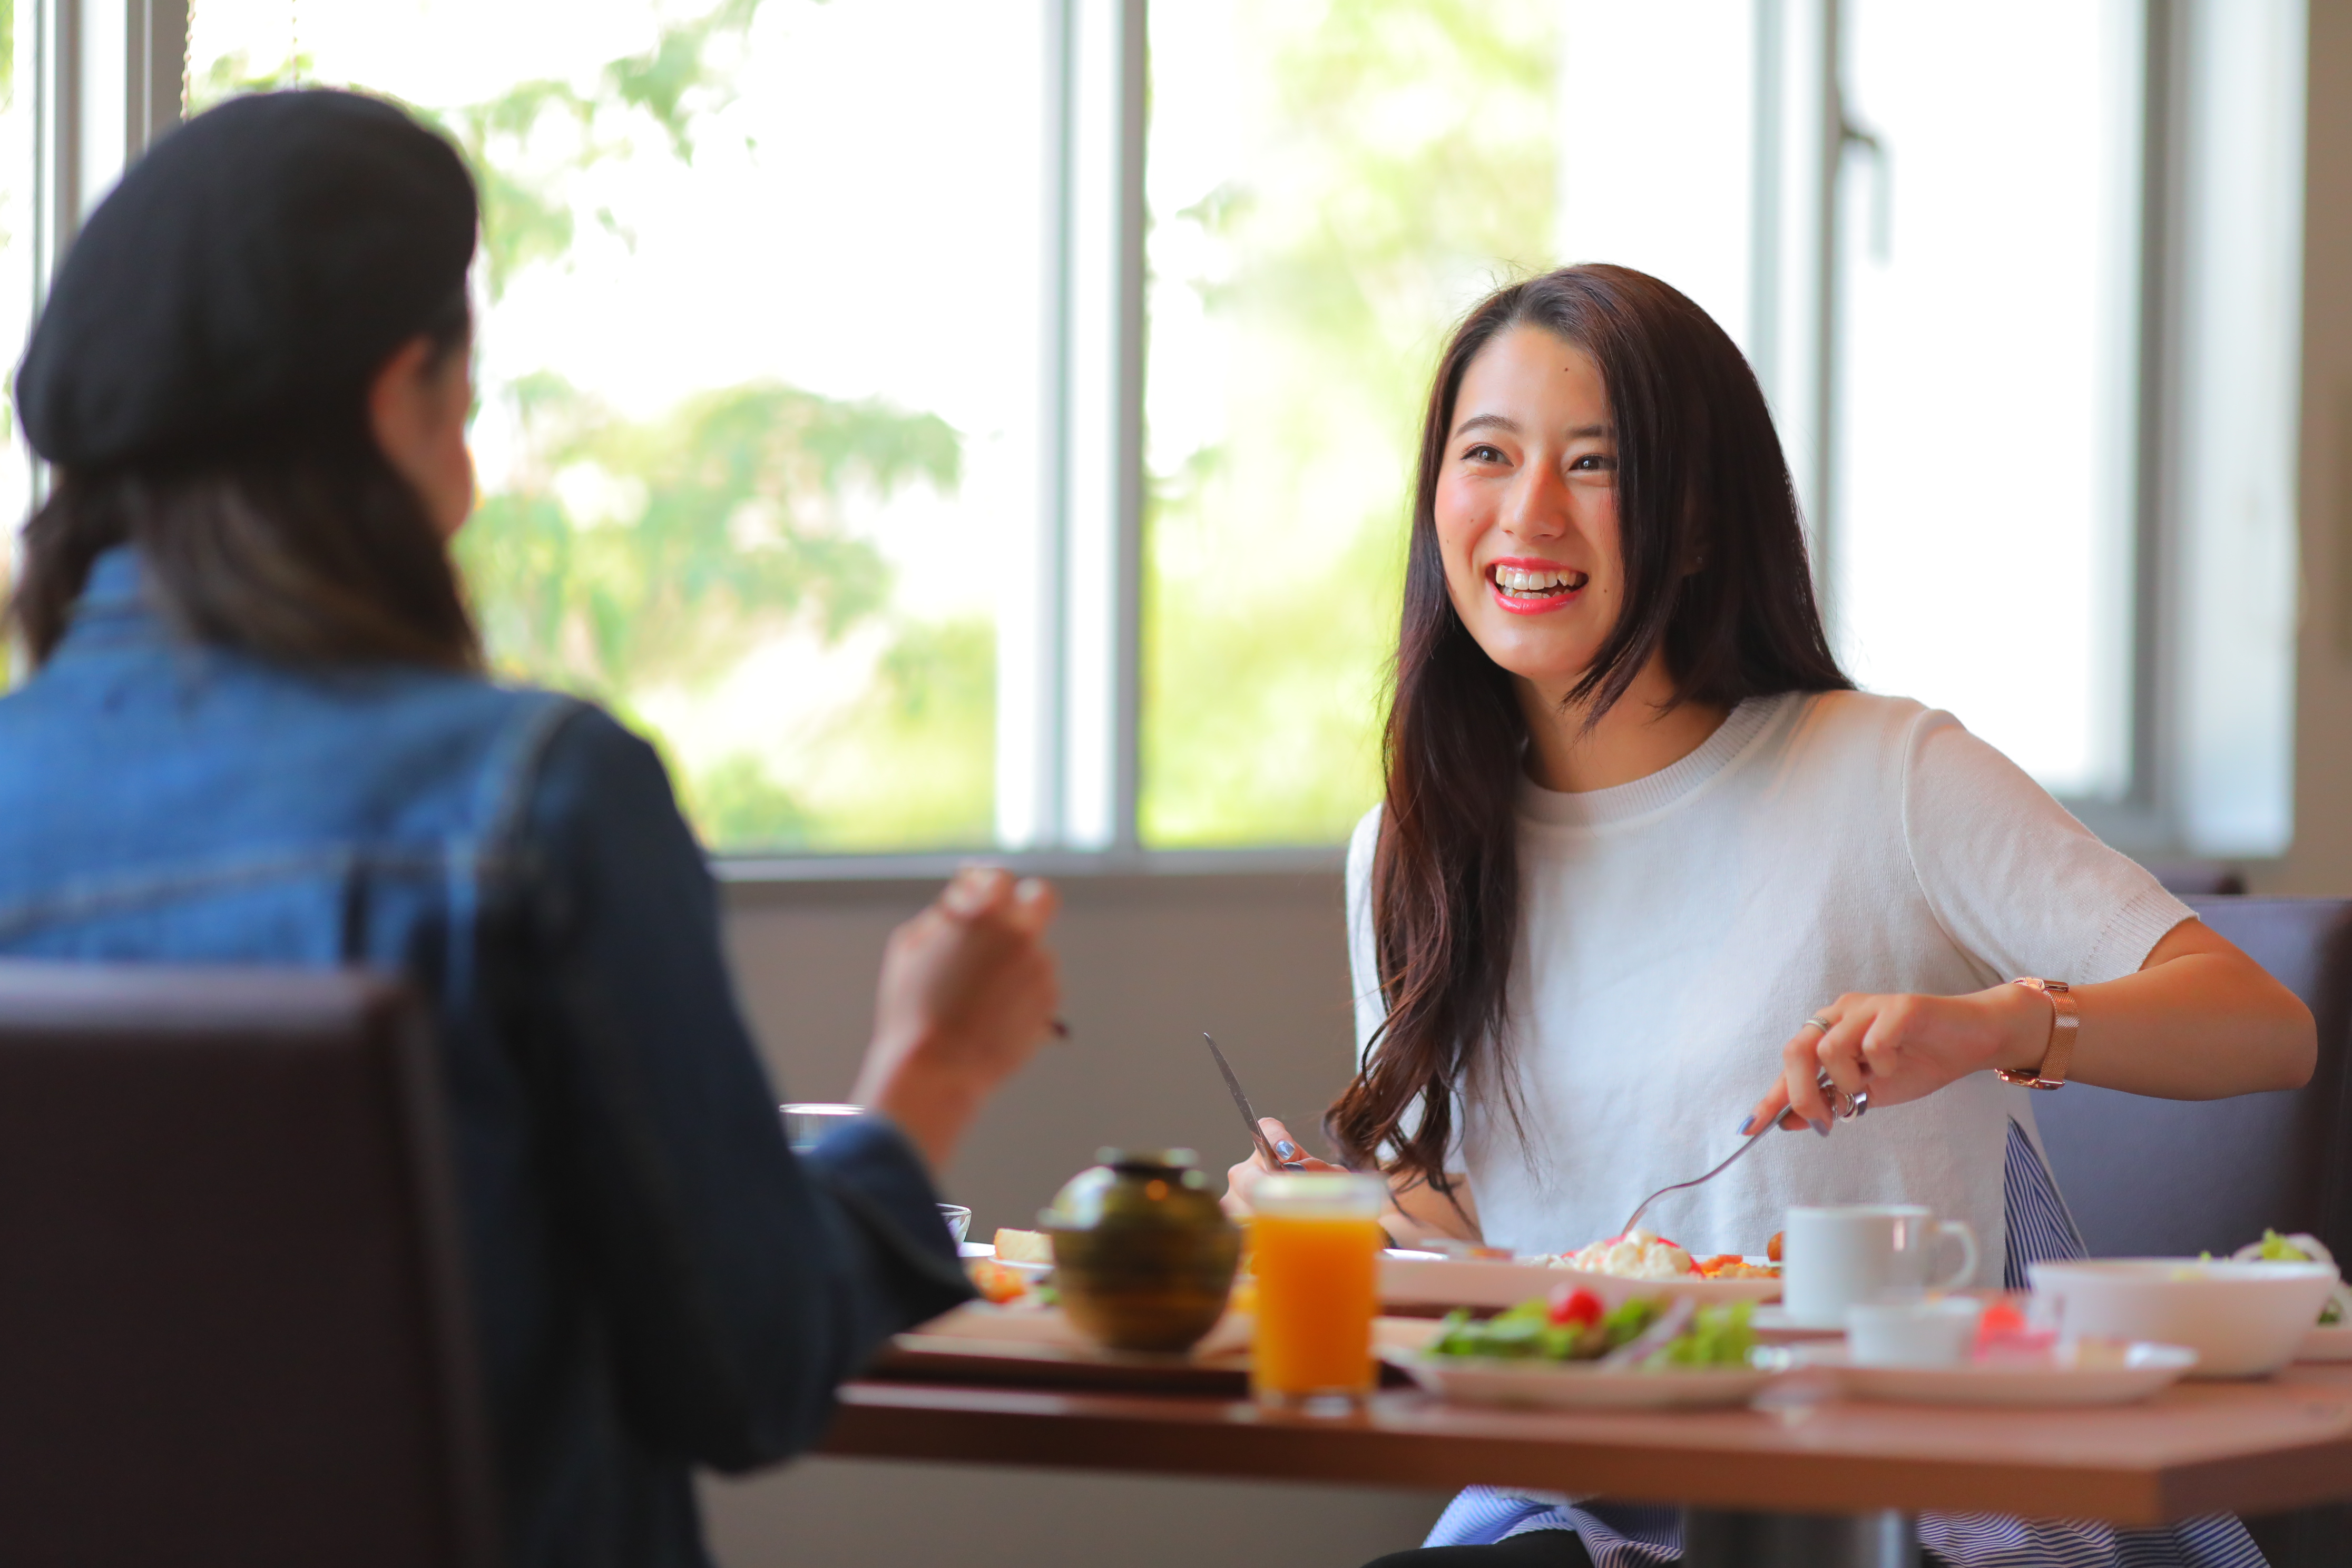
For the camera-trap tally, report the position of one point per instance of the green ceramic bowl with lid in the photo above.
(1143, 1255)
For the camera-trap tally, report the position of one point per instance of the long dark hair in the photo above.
(301, 544)
(1700, 478)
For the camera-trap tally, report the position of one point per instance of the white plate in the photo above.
(1573, 1385)
(2144, 1369)
(1433, 1280)
(983, 1249)
(2331, 1341)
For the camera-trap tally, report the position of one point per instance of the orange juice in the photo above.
(1315, 1243)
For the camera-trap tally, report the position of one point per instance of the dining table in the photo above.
(1802, 1476)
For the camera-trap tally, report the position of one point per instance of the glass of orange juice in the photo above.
(1315, 1244)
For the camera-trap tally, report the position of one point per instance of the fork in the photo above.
(1846, 1107)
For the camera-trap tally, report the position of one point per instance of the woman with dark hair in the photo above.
(1646, 853)
(258, 731)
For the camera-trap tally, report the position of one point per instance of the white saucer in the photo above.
(2138, 1370)
(983, 1249)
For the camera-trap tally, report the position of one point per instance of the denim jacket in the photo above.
(657, 1282)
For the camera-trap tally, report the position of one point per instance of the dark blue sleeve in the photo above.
(737, 1284)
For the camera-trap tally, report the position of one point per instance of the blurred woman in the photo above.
(1646, 852)
(259, 731)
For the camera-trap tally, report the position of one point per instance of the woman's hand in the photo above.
(1902, 1047)
(968, 988)
(1242, 1179)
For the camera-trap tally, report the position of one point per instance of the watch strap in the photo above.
(2064, 1020)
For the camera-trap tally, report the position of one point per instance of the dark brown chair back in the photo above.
(232, 1321)
(2174, 1178)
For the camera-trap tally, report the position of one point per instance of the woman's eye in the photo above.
(1482, 454)
(1593, 463)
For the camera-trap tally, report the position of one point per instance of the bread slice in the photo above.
(1024, 1246)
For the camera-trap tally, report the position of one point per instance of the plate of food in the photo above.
(1011, 1269)
(1548, 1355)
(2077, 1374)
(1619, 1269)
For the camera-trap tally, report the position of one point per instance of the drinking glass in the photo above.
(808, 1125)
(1315, 1243)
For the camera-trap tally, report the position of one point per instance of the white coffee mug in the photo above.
(1833, 1257)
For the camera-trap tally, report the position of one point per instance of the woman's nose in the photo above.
(1536, 505)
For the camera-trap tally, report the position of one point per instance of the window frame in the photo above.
(109, 75)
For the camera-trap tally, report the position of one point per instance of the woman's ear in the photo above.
(418, 405)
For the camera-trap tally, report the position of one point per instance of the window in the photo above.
(759, 371)
(22, 221)
(1329, 187)
(1980, 540)
(947, 424)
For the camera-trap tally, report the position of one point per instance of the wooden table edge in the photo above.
(1207, 1437)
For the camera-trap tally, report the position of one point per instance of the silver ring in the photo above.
(1862, 1105)
(1816, 1021)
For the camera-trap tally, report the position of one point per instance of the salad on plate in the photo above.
(1572, 1326)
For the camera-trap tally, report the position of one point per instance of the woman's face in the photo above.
(1526, 507)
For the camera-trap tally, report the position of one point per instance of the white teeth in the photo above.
(1519, 580)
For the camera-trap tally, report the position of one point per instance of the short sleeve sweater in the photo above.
(1675, 930)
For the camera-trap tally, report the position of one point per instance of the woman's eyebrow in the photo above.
(1506, 423)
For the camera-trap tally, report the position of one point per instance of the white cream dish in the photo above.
(2243, 1320)
(1933, 1332)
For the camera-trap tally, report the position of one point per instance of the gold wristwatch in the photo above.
(2063, 1021)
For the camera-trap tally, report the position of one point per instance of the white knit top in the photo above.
(1675, 930)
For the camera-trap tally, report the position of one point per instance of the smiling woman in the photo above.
(1638, 825)
(1589, 424)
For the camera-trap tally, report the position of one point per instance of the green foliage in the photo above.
(738, 803)
(233, 74)
(1404, 164)
(639, 561)
(719, 528)
(527, 205)
(917, 763)
(914, 764)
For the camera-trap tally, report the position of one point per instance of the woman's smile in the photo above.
(1526, 586)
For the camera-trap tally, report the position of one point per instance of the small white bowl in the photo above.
(2243, 1320)
(1925, 1333)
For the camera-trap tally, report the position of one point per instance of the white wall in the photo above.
(1148, 963)
(2320, 860)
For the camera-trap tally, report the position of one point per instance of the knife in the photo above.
(1249, 1117)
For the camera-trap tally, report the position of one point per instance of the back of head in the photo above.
(199, 377)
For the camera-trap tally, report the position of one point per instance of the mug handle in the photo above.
(1967, 1237)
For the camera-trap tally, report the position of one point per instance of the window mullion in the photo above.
(1127, 642)
(1091, 634)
